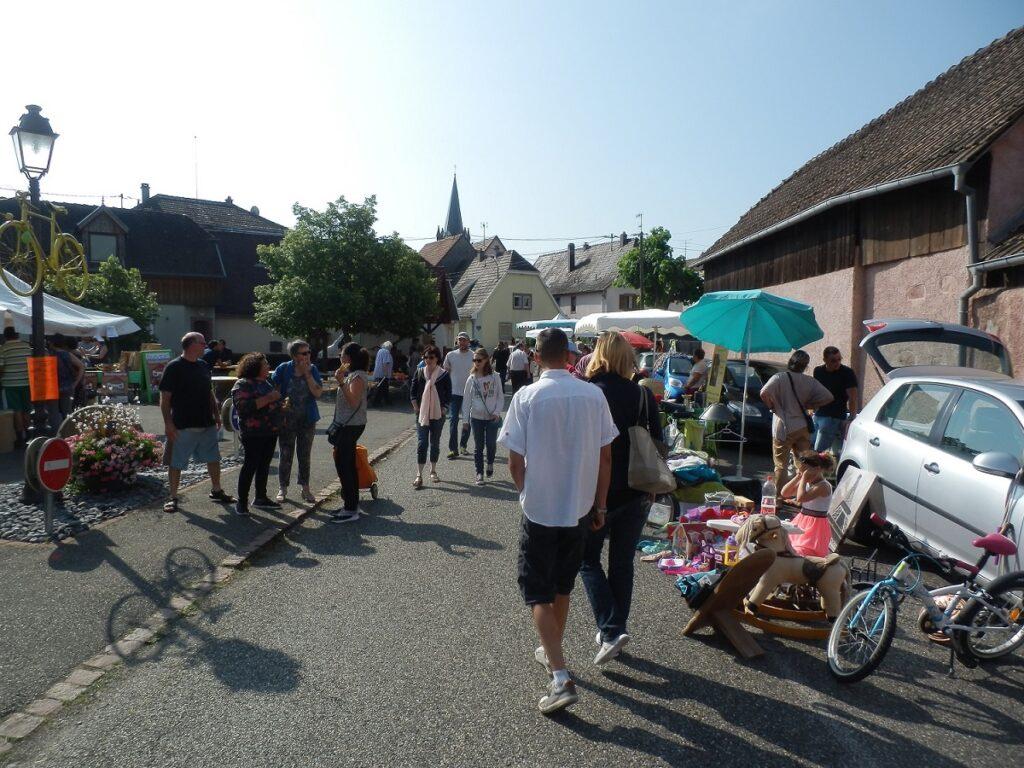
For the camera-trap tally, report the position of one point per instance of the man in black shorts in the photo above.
(559, 433)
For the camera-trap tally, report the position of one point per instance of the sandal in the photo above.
(434, 478)
(171, 505)
(221, 497)
(417, 483)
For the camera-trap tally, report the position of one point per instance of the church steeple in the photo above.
(453, 226)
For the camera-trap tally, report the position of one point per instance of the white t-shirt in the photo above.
(700, 368)
(518, 360)
(459, 364)
(559, 425)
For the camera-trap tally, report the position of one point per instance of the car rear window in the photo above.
(914, 408)
(679, 365)
(902, 353)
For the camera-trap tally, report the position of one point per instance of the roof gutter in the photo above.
(833, 202)
(1004, 262)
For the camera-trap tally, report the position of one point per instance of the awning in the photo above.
(60, 316)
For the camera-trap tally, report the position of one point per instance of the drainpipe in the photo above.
(970, 197)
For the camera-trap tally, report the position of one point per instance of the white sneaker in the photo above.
(479, 479)
(542, 658)
(341, 516)
(610, 650)
(598, 640)
(559, 696)
(282, 495)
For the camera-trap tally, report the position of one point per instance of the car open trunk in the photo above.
(903, 343)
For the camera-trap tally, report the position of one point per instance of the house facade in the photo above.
(581, 278)
(916, 215)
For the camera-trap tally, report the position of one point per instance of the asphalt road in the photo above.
(401, 640)
(61, 604)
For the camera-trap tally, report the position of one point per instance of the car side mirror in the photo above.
(997, 463)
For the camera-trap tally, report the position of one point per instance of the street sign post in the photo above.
(48, 469)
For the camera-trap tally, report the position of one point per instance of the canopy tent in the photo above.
(60, 316)
(558, 321)
(751, 321)
(656, 321)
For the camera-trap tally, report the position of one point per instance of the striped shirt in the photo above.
(14, 355)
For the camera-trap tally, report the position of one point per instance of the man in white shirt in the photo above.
(383, 368)
(698, 374)
(518, 367)
(559, 433)
(458, 363)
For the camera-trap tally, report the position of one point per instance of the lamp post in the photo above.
(33, 146)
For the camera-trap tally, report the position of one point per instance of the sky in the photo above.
(564, 120)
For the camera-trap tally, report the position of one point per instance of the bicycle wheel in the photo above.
(22, 265)
(72, 275)
(1003, 609)
(858, 643)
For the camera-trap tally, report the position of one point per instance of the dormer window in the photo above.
(101, 248)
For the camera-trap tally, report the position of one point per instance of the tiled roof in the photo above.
(950, 120)
(434, 252)
(1010, 246)
(596, 267)
(477, 282)
(156, 243)
(483, 245)
(216, 216)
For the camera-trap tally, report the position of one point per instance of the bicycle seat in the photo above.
(996, 544)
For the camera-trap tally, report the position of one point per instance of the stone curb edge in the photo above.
(21, 724)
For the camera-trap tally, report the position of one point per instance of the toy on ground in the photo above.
(829, 575)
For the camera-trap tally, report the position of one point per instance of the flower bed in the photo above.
(110, 449)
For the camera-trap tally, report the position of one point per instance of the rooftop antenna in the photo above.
(483, 225)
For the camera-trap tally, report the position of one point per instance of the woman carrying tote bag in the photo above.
(611, 369)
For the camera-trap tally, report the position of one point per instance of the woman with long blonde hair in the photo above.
(611, 369)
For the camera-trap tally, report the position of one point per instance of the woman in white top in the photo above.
(482, 403)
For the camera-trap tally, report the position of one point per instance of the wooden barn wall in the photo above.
(190, 292)
(815, 247)
(916, 221)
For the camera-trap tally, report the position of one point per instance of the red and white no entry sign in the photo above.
(53, 467)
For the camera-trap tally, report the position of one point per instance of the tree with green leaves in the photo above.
(666, 278)
(331, 271)
(119, 290)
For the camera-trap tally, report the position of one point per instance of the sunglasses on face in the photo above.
(303, 354)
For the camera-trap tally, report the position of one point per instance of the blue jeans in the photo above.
(484, 430)
(828, 433)
(611, 595)
(455, 412)
(431, 434)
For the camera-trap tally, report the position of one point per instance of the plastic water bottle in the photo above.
(768, 494)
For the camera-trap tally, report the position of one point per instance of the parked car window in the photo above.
(906, 352)
(734, 376)
(679, 366)
(913, 409)
(980, 423)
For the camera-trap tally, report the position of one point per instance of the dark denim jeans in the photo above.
(454, 414)
(611, 595)
(431, 434)
(345, 464)
(485, 431)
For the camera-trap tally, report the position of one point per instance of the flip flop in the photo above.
(171, 505)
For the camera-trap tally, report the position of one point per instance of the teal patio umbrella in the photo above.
(751, 321)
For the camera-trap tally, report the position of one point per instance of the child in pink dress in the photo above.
(813, 493)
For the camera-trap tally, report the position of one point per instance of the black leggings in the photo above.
(259, 452)
(345, 463)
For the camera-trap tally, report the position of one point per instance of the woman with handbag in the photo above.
(482, 403)
(349, 423)
(258, 405)
(431, 392)
(611, 369)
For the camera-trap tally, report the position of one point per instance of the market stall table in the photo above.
(222, 386)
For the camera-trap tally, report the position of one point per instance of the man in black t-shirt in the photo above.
(500, 358)
(191, 418)
(832, 420)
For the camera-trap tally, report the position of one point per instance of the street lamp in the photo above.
(33, 146)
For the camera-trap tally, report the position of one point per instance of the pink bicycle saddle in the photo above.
(996, 544)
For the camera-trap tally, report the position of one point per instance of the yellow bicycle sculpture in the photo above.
(22, 255)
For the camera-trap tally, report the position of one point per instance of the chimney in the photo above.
(572, 256)
(145, 193)
(622, 239)
(586, 246)
(228, 200)
(254, 211)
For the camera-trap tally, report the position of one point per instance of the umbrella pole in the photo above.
(743, 413)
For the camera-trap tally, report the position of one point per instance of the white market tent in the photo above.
(60, 316)
(656, 321)
(558, 321)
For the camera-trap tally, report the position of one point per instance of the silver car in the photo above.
(921, 431)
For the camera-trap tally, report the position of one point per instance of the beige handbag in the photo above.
(647, 469)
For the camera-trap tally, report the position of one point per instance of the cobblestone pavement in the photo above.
(401, 640)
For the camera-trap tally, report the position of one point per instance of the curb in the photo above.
(21, 724)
